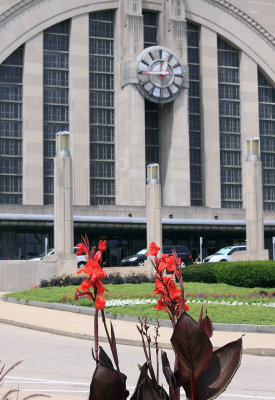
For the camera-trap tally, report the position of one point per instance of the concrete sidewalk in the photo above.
(68, 320)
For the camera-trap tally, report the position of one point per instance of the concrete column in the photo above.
(33, 122)
(154, 226)
(63, 212)
(174, 130)
(79, 108)
(254, 206)
(153, 210)
(210, 117)
(249, 106)
(130, 119)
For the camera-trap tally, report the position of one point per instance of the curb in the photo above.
(162, 322)
(90, 311)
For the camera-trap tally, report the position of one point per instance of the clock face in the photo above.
(160, 74)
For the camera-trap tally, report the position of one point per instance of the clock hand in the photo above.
(164, 67)
(156, 72)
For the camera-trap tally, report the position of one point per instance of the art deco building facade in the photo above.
(72, 66)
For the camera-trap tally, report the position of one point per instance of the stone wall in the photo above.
(22, 275)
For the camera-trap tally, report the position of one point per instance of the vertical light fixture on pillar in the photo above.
(63, 202)
(254, 202)
(153, 206)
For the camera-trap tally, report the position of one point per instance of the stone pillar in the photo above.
(63, 207)
(33, 122)
(174, 130)
(153, 210)
(210, 117)
(254, 206)
(79, 108)
(130, 119)
(249, 106)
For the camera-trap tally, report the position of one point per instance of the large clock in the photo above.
(160, 74)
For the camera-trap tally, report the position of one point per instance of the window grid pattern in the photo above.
(56, 97)
(11, 72)
(150, 20)
(194, 115)
(266, 94)
(102, 130)
(229, 120)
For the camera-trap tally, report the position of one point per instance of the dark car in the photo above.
(138, 258)
(135, 259)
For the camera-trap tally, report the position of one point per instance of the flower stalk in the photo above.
(203, 373)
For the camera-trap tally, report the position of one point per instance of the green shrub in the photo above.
(239, 273)
(62, 280)
(139, 278)
(246, 273)
(198, 273)
(115, 279)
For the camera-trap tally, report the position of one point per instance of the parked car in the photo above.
(139, 258)
(224, 254)
(81, 259)
(135, 259)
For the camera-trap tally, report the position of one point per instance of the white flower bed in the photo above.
(128, 302)
(132, 302)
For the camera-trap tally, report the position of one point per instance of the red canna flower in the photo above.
(100, 288)
(99, 302)
(92, 287)
(170, 295)
(153, 250)
(160, 306)
(186, 307)
(81, 249)
(102, 245)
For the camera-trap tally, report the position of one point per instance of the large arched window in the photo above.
(150, 23)
(194, 115)
(230, 133)
(11, 72)
(102, 129)
(267, 139)
(56, 97)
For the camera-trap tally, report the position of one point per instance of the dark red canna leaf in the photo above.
(207, 326)
(168, 373)
(113, 345)
(107, 383)
(201, 316)
(194, 351)
(205, 323)
(220, 370)
(146, 389)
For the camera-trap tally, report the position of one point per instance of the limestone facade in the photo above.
(247, 26)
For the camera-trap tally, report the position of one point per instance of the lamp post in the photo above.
(254, 198)
(153, 206)
(63, 203)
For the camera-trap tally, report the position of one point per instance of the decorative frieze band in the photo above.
(22, 5)
(245, 18)
(16, 9)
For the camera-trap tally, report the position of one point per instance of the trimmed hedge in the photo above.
(243, 273)
(114, 279)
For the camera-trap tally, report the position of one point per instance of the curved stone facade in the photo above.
(71, 65)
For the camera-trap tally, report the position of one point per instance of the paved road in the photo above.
(62, 367)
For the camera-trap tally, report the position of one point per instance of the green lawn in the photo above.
(194, 292)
